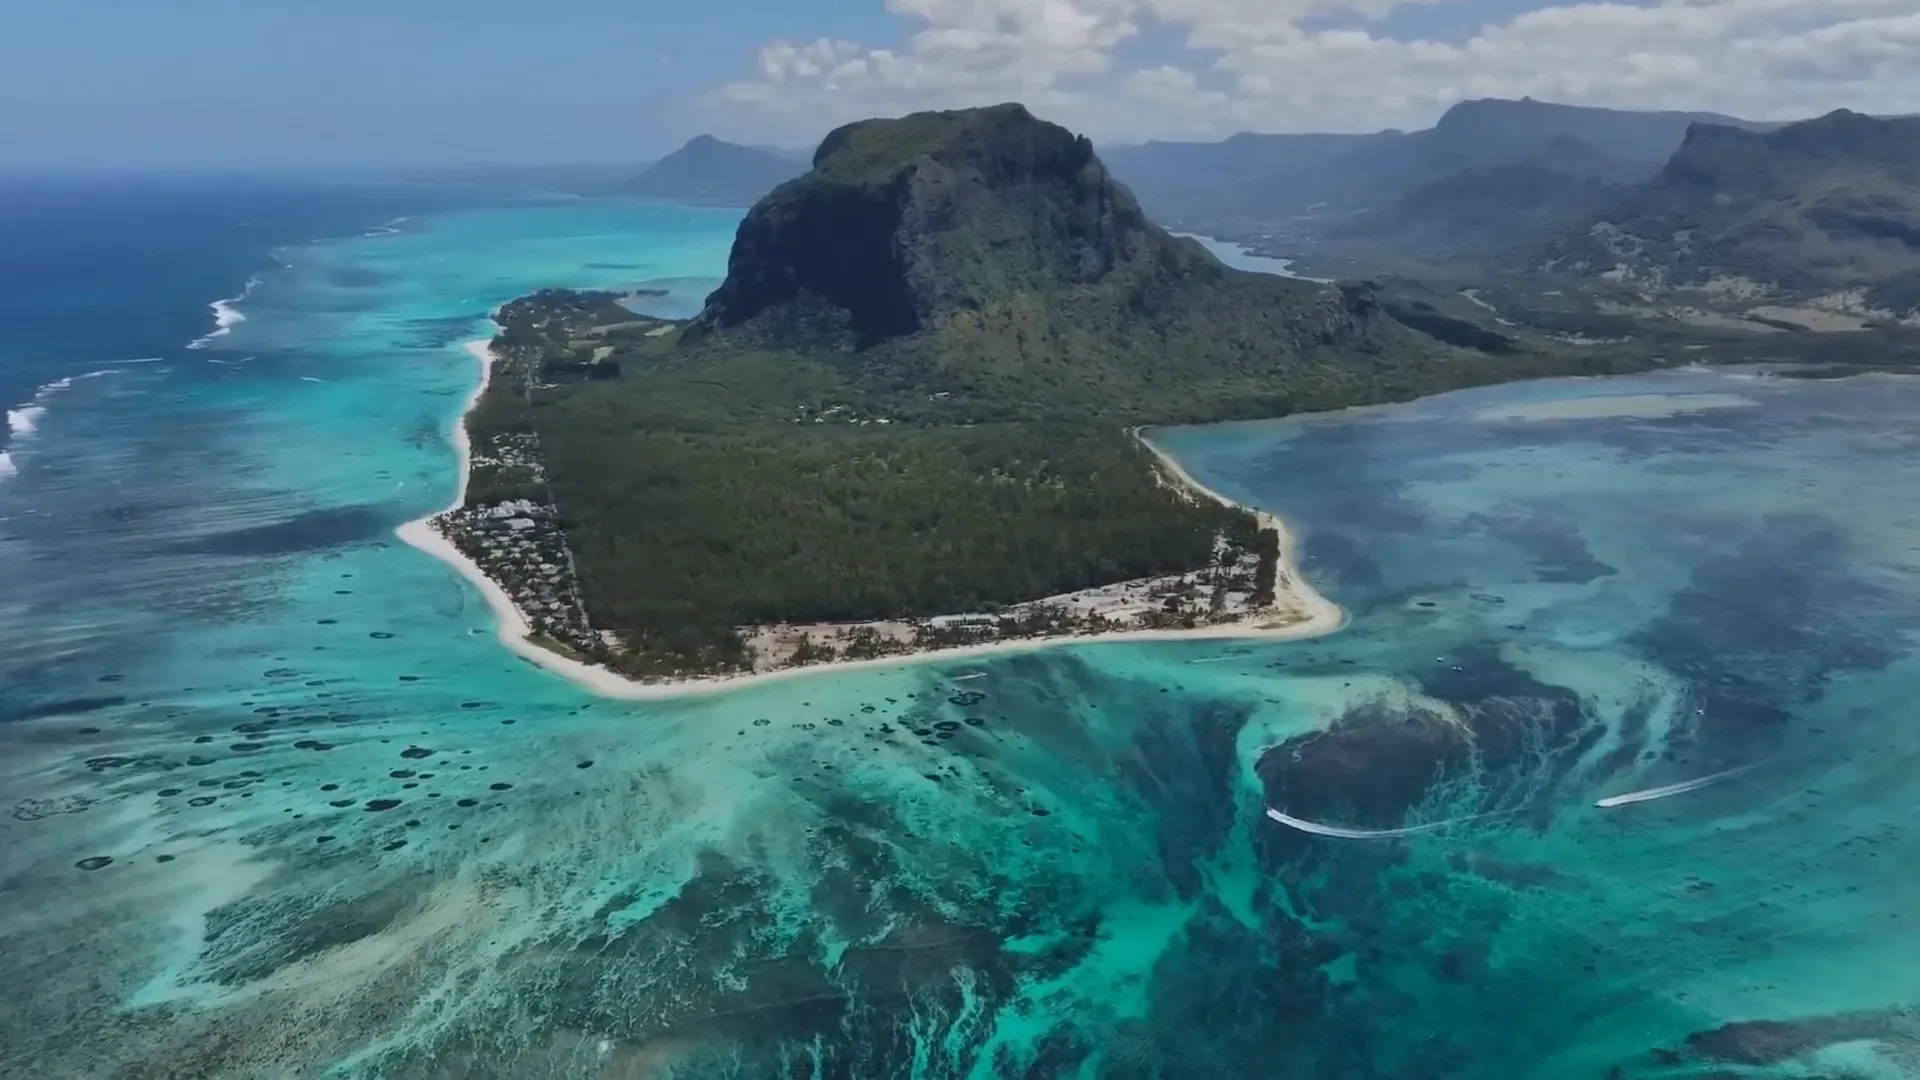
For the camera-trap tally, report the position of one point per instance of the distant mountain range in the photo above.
(1249, 180)
(1823, 211)
(709, 170)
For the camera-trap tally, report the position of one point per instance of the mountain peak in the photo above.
(986, 260)
(877, 150)
(903, 222)
(1840, 116)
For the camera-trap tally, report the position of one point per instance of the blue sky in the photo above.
(379, 80)
(350, 82)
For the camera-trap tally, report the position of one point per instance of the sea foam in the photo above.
(7, 467)
(25, 420)
(226, 315)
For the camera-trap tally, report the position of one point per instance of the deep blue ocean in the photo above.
(108, 287)
(1618, 751)
(100, 268)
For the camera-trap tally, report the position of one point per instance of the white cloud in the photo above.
(1271, 65)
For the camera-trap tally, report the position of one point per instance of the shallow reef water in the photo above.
(279, 805)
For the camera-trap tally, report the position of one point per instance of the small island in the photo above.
(913, 418)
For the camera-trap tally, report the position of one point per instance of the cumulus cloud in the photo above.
(1335, 65)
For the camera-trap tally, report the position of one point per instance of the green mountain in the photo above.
(708, 170)
(1809, 210)
(990, 258)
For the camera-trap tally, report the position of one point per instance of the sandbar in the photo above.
(1614, 406)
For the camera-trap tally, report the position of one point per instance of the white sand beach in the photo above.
(1292, 593)
(1299, 611)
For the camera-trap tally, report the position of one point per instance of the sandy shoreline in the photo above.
(1319, 615)
(1323, 616)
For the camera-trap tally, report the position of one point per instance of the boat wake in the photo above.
(1668, 790)
(391, 228)
(1343, 833)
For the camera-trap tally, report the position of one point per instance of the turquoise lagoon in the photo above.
(281, 805)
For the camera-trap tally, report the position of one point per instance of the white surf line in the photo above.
(309, 378)
(1216, 659)
(1666, 790)
(1344, 833)
(964, 678)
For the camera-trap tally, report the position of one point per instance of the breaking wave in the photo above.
(226, 315)
(25, 420)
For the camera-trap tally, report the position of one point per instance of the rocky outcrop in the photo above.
(1825, 204)
(903, 224)
(982, 265)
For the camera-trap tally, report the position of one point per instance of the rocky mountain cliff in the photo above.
(987, 253)
(1259, 182)
(904, 221)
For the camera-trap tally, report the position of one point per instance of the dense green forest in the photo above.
(717, 486)
(748, 488)
(708, 530)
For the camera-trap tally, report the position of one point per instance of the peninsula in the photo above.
(910, 420)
